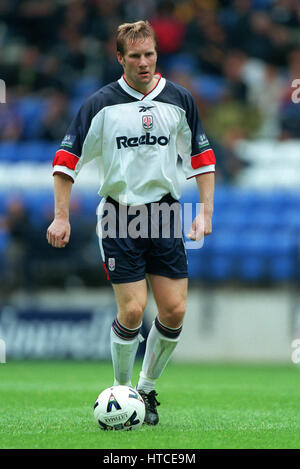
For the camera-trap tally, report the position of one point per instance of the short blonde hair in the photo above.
(132, 32)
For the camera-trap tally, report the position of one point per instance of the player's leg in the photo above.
(167, 270)
(131, 300)
(170, 296)
(125, 267)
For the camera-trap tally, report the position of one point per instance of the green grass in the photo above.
(50, 405)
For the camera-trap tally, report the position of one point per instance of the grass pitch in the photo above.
(50, 405)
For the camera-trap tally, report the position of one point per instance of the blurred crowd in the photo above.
(238, 57)
(28, 261)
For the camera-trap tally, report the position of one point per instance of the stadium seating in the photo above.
(4, 240)
(31, 151)
(256, 233)
(210, 87)
(256, 237)
(30, 110)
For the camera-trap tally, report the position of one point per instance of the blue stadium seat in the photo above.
(4, 238)
(8, 151)
(290, 218)
(210, 86)
(220, 267)
(251, 268)
(85, 87)
(4, 241)
(222, 197)
(34, 150)
(254, 243)
(233, 219)
(31, 110)
(282, 268)
(224, 242)
(182, 62)
(89, 202)
(284, 243)
(40, 204)
(3, 198)
(267, 218)
(37, 150)
(195, 264)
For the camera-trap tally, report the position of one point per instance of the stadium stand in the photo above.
(239, 60)
(254, 239)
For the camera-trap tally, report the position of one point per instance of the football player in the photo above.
(135, 128)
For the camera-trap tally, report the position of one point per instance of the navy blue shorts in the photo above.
(140, 240)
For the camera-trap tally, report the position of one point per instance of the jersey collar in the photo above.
(140, 96)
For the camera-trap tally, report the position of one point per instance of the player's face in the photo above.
(139, 63)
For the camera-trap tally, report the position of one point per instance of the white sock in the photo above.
(123, 352)
(145, 384)
(159, 349)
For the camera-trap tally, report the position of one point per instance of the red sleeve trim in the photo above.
(203, 159)
(65, 158)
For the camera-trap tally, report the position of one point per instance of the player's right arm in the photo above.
(58, 233)
(67, 163)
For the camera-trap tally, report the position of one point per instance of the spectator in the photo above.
(11, 124)
(133, 10)
(57, 117)
(207, 40)
(38, 21)
(19, 227)
(169, 31)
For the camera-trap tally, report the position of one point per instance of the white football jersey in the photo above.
(135, 140)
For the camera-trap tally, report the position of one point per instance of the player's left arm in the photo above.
(198, 160)
(202, 224)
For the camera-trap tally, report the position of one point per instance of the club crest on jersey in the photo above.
(147, 122)
(111, 263)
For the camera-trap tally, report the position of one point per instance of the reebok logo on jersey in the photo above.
(147, 139)
(145, 108)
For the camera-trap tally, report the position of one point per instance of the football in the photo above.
(119, 408)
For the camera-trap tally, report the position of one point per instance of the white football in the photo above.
(119, 408)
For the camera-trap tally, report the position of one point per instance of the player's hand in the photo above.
(201, 226)
(58, 233)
